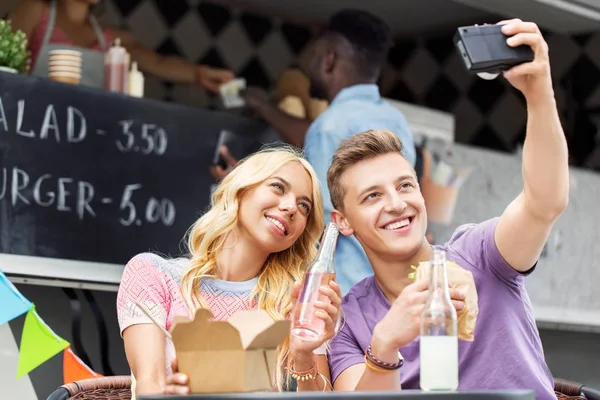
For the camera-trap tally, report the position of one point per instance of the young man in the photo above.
(345, 63)
(377, 199)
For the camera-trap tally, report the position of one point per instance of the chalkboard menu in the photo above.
(96, 176)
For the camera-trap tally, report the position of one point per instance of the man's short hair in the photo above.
(370, 37)
(358, 147)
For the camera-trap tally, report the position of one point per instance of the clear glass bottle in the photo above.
(305, 324)
(439, 332)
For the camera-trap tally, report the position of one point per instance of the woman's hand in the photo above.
(178, 382)
(212, 78)
(328, 310)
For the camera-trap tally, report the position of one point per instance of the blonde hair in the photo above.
(356, 148)
(281, 270)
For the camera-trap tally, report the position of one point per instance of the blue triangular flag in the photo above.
(13, 302)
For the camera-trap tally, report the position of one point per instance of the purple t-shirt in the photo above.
(507, 351)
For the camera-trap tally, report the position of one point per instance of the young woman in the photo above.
(70, 24)
(246, 252)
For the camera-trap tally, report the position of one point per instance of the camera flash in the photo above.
(487, 76)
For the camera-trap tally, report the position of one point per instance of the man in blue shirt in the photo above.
(344, 66)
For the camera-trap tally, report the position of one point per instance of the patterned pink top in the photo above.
(155, 283)
(58, 36)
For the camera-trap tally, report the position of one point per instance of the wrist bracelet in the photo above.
(312, 373)
(376, 368)
(382, 364)
(326, 383)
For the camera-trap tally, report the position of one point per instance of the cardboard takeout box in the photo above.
(237, 355)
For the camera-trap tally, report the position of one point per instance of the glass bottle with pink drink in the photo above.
(305, 324)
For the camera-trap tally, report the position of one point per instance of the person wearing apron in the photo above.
(42, 21)
(92, 71)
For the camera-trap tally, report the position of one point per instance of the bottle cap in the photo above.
(115, 54)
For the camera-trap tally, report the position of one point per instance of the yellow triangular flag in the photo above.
(38, 343)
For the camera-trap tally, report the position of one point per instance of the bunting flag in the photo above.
(39, 343)
(12, 301)
(74, 369)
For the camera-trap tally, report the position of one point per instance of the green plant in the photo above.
(13, 48)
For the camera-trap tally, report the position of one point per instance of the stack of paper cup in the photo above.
(65, 66)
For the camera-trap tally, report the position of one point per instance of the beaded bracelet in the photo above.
(376, 368)
(382, 364)
(306, 375)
